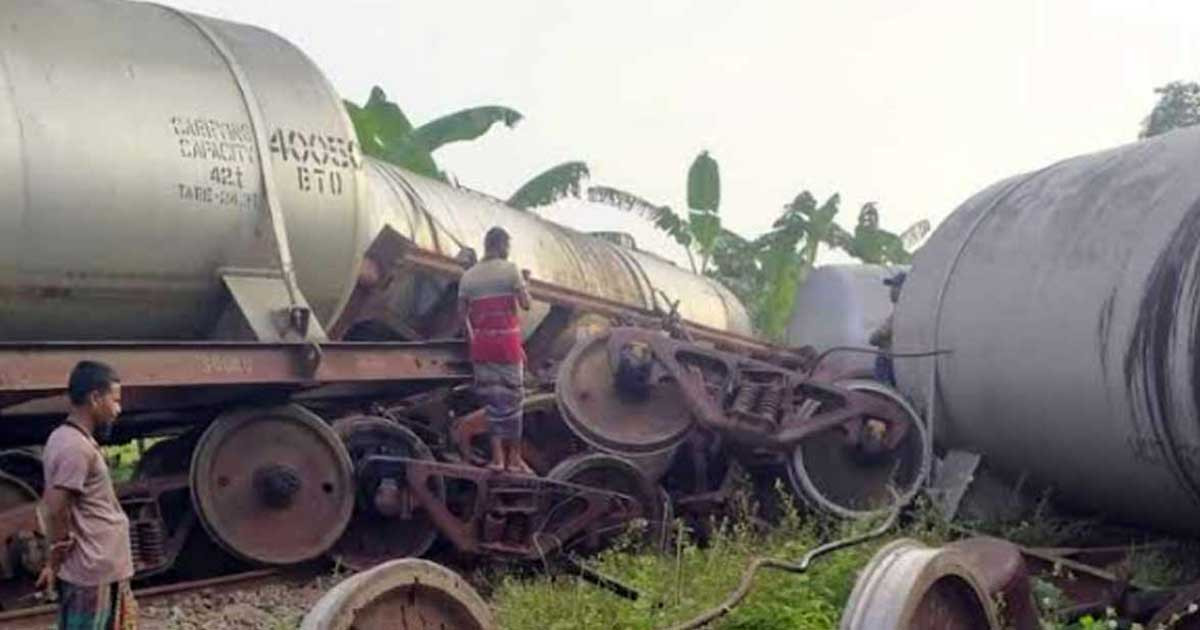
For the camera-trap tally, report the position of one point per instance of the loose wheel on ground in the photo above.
(835, 477)
(379, 529)
(272, 486)
(409, 593)
(908, 586)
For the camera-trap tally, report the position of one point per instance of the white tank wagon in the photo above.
(1069, 298)
(151, 159)
(840, 306)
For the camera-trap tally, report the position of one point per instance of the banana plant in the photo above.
(699, 232)
(384, 132)
(766, 271)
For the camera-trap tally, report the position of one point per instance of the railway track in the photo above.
(43, 616)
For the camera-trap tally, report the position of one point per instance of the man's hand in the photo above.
(45, 581)
(58, 551)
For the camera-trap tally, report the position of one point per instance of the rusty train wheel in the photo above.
(14, 493)
(409, 593)
(908, 586)
(611, 474)
(200, 556)
(612, 420)
(24, 465)
(372, 536)
(272, 486)
(830, 475)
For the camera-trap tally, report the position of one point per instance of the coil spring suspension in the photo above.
(769, 402)
(148, 541)
(746, 399)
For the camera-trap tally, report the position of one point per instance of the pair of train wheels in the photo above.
(825, 471)
(278, 486)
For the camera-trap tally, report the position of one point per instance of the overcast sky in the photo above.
(912, 104)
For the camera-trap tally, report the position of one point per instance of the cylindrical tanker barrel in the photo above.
(840, 306)
(1070, 301)
(145, 153)
(448, 220)
(132, 146)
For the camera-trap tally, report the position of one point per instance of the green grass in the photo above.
(689, 579)
(777, 600)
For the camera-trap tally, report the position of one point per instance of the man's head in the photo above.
(896, 282)
(95, 390)
(495, 243)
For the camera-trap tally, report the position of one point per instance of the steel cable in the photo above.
(802, 566)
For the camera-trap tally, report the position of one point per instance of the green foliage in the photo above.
(701, 230)
(765, 273)
(564, 180)
(704, 184)
(384, 132)
(1178, 106)
(122, 460)
(682, 583)
(461, 126)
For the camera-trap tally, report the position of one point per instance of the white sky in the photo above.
(913, 104)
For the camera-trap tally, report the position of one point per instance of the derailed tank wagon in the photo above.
(183, 198)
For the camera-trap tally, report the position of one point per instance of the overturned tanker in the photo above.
(1069, 300)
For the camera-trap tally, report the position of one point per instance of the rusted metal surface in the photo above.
(613, 474)
(42, 367)
(272, 486)
(25, 465)
(522, 516)
(155, 541)
(1002, 571)
(18, 522)
(639, 392)
(908, 586)
(411, 594)
(386, 523)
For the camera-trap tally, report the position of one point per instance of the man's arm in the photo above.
(55, 521)
(523, 290)
(464, 308)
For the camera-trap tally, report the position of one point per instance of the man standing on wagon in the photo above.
(489, 295)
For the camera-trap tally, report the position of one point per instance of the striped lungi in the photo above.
(105, 607)
(500, 386)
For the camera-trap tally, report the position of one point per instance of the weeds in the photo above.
(677, 585)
